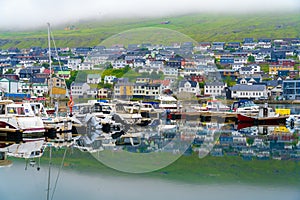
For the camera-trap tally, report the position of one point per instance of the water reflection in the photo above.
(180, 137)
(32, 185)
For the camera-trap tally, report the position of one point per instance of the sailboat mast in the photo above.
(50, 64)
(49, 172)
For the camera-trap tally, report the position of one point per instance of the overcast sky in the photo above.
(31, 13)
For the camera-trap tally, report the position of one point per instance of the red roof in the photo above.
(46, 71)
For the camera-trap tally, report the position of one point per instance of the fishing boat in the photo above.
(18, 121)
(265, 116)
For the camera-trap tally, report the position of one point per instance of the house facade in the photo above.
(109, 79)
(93, 78)
(249, 92)
(291, 89)
(123, 89)
(8, 86)
(214, 89)
(189, 86)
(79, 90)
(104, 93)
(146, 90)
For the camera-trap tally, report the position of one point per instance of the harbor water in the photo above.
(16, 183)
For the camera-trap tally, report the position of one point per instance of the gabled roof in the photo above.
(246, 69)
(249, 79)
(248, 88)
(272, 83)
(78, 84)
(91, 76)
(214, 84)
(37, 80)
(162, 82)
(183, 82)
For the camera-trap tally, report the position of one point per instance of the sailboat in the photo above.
(59, 128)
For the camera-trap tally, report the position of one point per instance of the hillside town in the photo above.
(258, 69)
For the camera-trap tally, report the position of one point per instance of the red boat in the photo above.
(266, 116)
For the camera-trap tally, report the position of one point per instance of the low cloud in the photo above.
(35, 13)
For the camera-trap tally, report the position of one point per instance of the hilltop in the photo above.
(200, 27)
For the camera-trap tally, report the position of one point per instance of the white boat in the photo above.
(19, 120)
(168, 103)
(100, 110)
(293, 120)
(58, 128)
(27, 150)
(246, 107)
(212, 105)
(127, 112)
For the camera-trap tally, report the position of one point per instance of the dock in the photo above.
(204, 116)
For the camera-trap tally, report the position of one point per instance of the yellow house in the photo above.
(273, 69)
(123, 90)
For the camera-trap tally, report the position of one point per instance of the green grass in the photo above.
(191, 169)
(200, 27)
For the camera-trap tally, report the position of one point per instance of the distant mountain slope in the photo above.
(200, 27)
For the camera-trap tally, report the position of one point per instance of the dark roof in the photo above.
(77, 84)
(246, 68)
(214, 83)
(37, 80)
(272, 83)
(248, 88)
(256, 79)
(193, 83)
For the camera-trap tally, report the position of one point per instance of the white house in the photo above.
(109, 79)
(170, 71)
(86, 66)
(40, 89)
(92, 92)
(119, 63)
(79, 89)
(243, 60)
(157, 64)
(139, 62)
(255, 68)
(8, 85)
(73, 63)
(103, 93)
(146, 90)
(214, 89)
(190, 71)
(189, 86)
(246, 71)
(237, 66)
(93, 78)
(249, 91)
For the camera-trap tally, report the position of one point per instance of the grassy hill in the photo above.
(200, 27)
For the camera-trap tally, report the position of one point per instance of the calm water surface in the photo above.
(16, 183)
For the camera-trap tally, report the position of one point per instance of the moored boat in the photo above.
(266, 116)
(18, 121)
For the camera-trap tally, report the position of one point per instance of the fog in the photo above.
(35, 13)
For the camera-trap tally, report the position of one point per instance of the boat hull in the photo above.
(261, 120)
